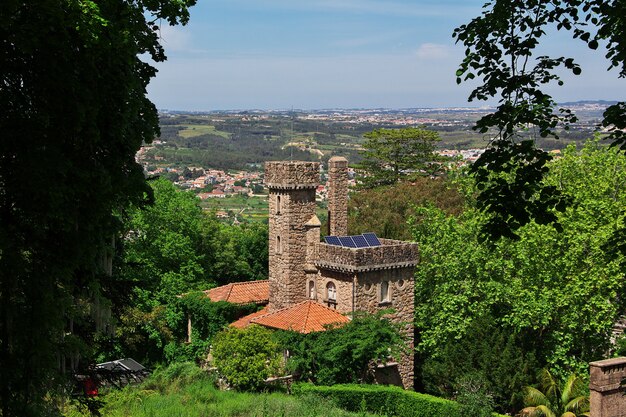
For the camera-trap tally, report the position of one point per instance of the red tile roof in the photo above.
(305, 317)
(245, 320)
(242, 292)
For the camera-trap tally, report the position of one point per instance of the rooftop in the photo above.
(257, 292)
(390, 254)
(245, 320)
(305, 317)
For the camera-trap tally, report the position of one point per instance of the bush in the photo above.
(384, 400)
(246, 357)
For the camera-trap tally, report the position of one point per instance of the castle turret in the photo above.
(338, 196)
(292, 187)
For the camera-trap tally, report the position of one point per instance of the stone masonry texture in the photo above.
(291, 204)
(298, 259)
(606, 394)
(338, 196)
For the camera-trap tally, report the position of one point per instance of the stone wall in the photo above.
(338, 196)
(391, 254)
(343, 284)
(291, 205)
(401, 300)
(606, 393)
(292, 174)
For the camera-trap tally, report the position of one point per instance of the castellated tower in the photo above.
(338, 196)
(292, 222)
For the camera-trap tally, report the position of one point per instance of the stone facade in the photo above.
(348, 279)
(606, 395)
(291, 205)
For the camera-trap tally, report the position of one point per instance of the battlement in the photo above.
(292, 175)
(391, 254)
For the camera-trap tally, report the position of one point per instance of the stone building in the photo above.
(320, 283)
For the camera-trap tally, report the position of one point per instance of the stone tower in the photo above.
(338, 196)
(292, 187)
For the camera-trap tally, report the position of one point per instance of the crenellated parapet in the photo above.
(292, 175)
(391, 254)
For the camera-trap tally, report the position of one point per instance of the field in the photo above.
(192, 130)
(247, 208)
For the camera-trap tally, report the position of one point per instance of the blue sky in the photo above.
(281, 54)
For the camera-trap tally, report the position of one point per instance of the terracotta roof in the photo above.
(245, 320)
(242, 292)
(305, 317)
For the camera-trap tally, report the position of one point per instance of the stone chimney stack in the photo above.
(338, 196)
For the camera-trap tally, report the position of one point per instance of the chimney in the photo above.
(338, 196)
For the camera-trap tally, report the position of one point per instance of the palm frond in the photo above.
(568, 414)
(548, 384)
(545, 411)
(573, 387)
(578, 405)
(533, 397)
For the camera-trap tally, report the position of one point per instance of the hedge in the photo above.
(382, 399)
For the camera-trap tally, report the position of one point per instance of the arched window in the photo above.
(312, 294)
(331, 292)
(277, 204)
(384, 292)
(279, 248)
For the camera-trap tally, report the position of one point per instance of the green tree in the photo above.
(557, 292)
(384, 210)
(501, 49)
(246, 357)
(392, 154)
(73, 109)
(551, 400)
(344, 354)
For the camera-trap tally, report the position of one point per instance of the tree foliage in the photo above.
(343, 354)
(384, 210)
(73, 113)
(501, 49)
(170, 248)
(392, 154)
(571, 399)
(557, 292)
(246, 357)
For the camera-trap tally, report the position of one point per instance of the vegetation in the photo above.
(383, 400)
(344, 354)
(510, 174)
(170, 248)
(385, 210)
(73, 109)
(392, 154)
(556, 294)
(183, 389)
(246, 357)
(568, 400)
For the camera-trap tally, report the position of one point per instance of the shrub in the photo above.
(246, 357)
(384, 400)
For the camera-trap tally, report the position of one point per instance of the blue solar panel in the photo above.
(347, 242)
(372, 239)
(332, 240)
(360, 241)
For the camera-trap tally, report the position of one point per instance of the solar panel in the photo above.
(332, 240)
(372, 239)
(360, 241)
(347, 242)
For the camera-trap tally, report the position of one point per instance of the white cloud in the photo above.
(433, 51)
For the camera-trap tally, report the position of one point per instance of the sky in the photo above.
(321, 54)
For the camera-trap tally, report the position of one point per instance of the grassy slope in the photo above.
(184, 390)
